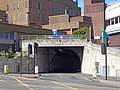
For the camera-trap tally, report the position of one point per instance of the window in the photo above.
(18, 17)
(73, 13)
(13, 6)
(54, 9)
(43, 6)
(38, 5)
(108, 22)
(14, 17)
(7, 7)
(60, 1)
(116, 20)
(119, 19)
(25, 4)
(31, 4)
(6, 19)
(18, 5)
(60, 10)
(97, 1)
(50, 9)
(112, 21)
(39, 16)
(54, 0)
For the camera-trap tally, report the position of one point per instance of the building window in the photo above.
(54, 0)
(108, 22)
(14, 17)
(55, 9)
(60, 1)
(43, 6)
(39, 16)
(38, 5)
(119, 19)
(18, 5)
(25, 4)
(116, 20)
(18, 17)
(112, 21)
(60, 10)
(73, 13)
(50, 9)
(7, 7)
(13, 6)
(97, 1)
(31, 4)
(6, 19)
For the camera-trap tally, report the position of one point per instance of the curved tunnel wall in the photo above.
(60, 59)
(66, 60)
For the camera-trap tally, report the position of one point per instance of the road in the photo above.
(54, 81)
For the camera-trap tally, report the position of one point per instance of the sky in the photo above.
(81, 3)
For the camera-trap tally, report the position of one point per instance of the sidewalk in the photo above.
(110, 80)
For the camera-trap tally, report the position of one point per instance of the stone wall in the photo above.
(14, 65)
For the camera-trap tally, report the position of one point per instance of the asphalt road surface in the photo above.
(54, 81)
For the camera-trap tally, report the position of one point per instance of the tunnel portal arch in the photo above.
(65, 60)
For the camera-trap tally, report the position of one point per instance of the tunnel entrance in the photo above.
(66, 61)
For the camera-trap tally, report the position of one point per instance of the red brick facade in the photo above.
(35, 12)
(96, 10)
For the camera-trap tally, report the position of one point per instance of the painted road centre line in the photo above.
(25, 85)
(61, 84)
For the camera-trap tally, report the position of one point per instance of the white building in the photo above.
(113, 27)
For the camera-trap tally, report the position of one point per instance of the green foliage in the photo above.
(8, 54)
(80, 31)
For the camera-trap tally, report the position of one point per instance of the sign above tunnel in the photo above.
(54, 32)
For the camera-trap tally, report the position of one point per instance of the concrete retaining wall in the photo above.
(14, 65)
(92, 55)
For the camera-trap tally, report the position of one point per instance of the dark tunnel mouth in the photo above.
(66, 61)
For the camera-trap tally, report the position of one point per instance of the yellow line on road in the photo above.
(61, 84)
(23, 83)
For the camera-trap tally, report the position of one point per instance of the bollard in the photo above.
(6, 69)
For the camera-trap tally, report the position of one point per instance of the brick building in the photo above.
(3, 16)
(96, 10)
(35, 12)
(67, 23)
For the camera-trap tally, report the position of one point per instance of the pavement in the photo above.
(110, 80)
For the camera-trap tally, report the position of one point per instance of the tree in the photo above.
(80, 31)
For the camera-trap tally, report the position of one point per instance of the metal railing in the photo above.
(42, 37)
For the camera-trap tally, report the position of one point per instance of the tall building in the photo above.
(113, 26)
(34, 13)
(96, 10)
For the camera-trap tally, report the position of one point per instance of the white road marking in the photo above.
(60, 75)
(2, 81)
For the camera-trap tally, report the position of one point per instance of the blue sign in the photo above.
(105, 35)
(54, 32)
